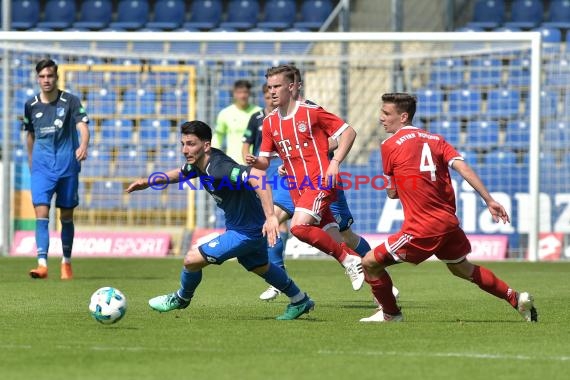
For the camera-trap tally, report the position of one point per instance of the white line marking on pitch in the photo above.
(470, 355)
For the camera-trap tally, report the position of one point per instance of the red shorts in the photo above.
(449, 248)
(315, 203)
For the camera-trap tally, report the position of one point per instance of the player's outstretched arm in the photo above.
(271, 226)
(346, 139)
(171, 176)
(495, 208)
(257, 162)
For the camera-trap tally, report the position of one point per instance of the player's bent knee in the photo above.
(260, 270)
(194, 261)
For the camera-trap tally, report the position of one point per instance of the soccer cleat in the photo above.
(66, 272)
(353, 269)
(295, 311)
(270, 294)
(380, 316)
(39, 272)
(168, 302)
(525, 307)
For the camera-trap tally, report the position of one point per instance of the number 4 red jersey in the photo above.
(418, 163)
(301, 140)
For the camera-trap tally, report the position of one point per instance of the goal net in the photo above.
(483, 92)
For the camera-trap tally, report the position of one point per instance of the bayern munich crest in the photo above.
(302, 127)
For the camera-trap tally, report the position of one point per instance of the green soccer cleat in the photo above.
(168, 302)
(295, 311)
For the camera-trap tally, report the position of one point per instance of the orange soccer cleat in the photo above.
(39, 272)
(66, 272)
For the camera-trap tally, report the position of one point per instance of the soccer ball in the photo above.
(108, 305)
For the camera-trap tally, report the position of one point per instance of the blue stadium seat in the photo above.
(58, 14)
(226, 47)
(517, 135)
(130, 162)
(464, 104)
(548, 105)
(279, 14)
(102, 101)
(547, 160)
(174, 103)
(168, 15)
(259, 48)
(449, 129)
(488, 14)
(107, 195)
(526, 14)
(95, 14)
(430, 103)
(117, 131)
(295, 47)
(154, 132)
(167, 156)
(558, 15)
(503, 103)
(205, 14)
(139, 101)
(242, 14)
(25, 14)
(485, 72)
(518, 73)
(556, 135)
(314, 13)
(145, 200)
(99, 162)
(159, 80)
(149, 47)
(482, 134)
(131, 14)
(551, 39)
(500, 158)
(447, 73)
(184, 47)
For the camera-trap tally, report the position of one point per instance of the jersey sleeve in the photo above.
(330, 123)
(387, 164)
(229, 169)
(188, 171)
(27, 121)
(267, 148)
(250, 133)
(449, 153)
(78, 112)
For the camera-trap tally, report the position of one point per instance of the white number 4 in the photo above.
(426, 165)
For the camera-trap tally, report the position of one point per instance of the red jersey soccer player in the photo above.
(430, 225)
(298, 133)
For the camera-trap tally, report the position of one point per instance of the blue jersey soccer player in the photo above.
(52, 119)
(239, 191)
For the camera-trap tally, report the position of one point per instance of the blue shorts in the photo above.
(281, 195)
(66, 188)
(250, 252)
(341, 212)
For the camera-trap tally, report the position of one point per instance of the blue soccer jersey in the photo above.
(226, 180)
(56, 140)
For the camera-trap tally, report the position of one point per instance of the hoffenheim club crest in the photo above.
(60, 111)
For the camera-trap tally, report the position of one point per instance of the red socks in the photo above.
(318, 238)
(382, 290)
(487, 281)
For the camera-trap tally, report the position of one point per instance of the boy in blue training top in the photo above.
(52, 119)
(239, 191)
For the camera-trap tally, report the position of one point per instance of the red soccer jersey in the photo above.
(418, 163)
(301, 140)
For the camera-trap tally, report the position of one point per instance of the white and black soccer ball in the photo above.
(108, 305)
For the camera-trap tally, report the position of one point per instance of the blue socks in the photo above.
(362, 248)
(42, 237)
(276, 253)
(278, 278)
(67, 234)
(189, 281)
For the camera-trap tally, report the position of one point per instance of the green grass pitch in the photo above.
(452, 330)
